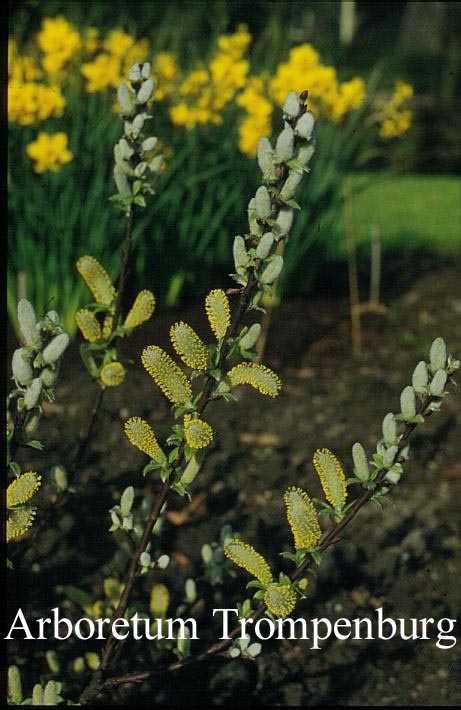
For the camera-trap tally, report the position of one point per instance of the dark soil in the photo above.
(405, 558)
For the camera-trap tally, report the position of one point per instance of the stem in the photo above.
(133, 568)
(95, 687)
(19, 420)
(97, 684)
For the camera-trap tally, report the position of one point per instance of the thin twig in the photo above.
(354, 296)
(124, 262)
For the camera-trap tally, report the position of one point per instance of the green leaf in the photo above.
(316, 556)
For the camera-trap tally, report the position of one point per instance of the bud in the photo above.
(163, 562)
(52, 660)
(254, 227)
(408, 402)
(437, 386)
(78, 664)
(32, 421)
(37, 694)
(138, 124)
(263, 203)
(53, 317)
(145, 92)
(393, 477)
(254, 649)
(265, 245)
(191, 471)
(21, 367)
(159, 600)
(183, 644)
(191, 591)
(59, 475)
(135, 73)
(55, 349)
(32, 394)
(49, 376)
(126, 501)
(14, 685)
(272, 270)
(146, 70)
(389, 456)
(126, 151)
(389, 429)
(207, 553)
(305, 126)
(50, 695)
(126, 99)
(438, 355)
(266, 159)
(155, 164)
(420, 377)
(359, 457)
(121, 181)
(291, 183)
(291, 105)
(149, 144)
(145, 559)
(284, 145)
(305, 154)
(28, 324)
(240, 253)
(251, 337)
(284, 220)
(140, 169)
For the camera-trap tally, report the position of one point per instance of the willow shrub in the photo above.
(200, 373)
(210, 115)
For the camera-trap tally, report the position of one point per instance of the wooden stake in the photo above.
(354, 300)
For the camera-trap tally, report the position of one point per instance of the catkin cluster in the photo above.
(36, 363)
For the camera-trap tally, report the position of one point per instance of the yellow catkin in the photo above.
(218, 312)
(89, 325)
(302, 518)
(22, 488)
(19, 520)
(97, 279)
(197, 432)
(141, 310)
(107, 325)
(331, 476)
(245, 556)
(189, 346)
(141, 435)
(159, 600)
(113, 374)
(166, 374)
(258, 376)
(280, 599)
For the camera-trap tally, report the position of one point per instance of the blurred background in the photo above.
(384, 81)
